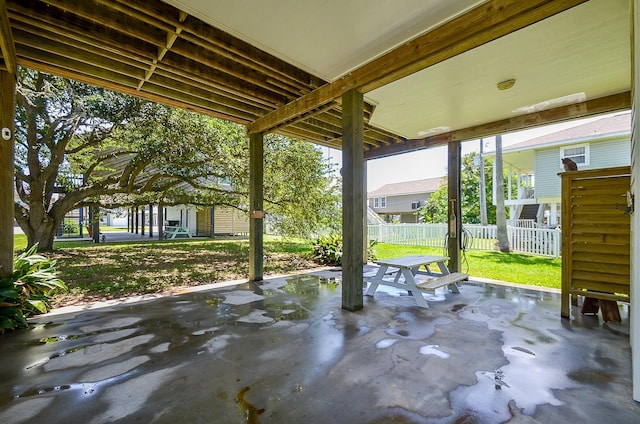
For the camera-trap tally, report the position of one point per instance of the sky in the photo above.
(431, 163)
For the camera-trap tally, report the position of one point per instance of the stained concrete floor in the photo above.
(285, 352)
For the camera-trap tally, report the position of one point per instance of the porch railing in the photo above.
(536, 241)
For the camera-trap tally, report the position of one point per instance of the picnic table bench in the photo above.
(173, 232)
(405, 273)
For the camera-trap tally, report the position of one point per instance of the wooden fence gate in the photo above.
(596, 238)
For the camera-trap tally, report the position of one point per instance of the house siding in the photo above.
(401, 205)
(603, 154)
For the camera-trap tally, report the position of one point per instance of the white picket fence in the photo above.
(536, 241)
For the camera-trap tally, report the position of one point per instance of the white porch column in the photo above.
(553, 214)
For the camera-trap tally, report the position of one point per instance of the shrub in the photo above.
(71, 227)
(26, 292)
(327, 249)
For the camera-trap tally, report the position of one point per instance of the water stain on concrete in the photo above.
(284, 351)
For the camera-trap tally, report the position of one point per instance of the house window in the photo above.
(379, 202)
(578, 153)
(415, 205)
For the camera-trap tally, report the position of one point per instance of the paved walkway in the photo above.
(284, 351)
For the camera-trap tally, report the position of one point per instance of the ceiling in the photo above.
(428, 70)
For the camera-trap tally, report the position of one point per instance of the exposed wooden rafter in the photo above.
(6, 40)
(158, 52)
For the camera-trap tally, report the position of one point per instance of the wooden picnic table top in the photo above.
(411, 261)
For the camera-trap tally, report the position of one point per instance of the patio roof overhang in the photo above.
(429, 71)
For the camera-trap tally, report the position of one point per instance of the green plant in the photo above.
(27, 290)
(70, 226)
(327, 249)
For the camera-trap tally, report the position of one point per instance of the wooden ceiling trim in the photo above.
(7, 46)
(486, 22)
(616, 102)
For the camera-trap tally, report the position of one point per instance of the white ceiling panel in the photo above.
(327, 38)
(565, 59)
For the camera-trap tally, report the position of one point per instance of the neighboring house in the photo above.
(200, 221)
(602, 143)
(399, 202)
(207, 221)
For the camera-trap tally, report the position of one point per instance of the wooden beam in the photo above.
(7, 46)
(7, 111)
(256, 207)
(454, 234)
(607, 104)
(352, 200)
(487, 22)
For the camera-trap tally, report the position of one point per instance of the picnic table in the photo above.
(173, 231)
(404, 273)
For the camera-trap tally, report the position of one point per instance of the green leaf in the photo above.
(39, 305)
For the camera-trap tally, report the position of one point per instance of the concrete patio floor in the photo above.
(285, 352)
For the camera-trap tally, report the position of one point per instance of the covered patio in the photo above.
(284, 351)
(372, 79)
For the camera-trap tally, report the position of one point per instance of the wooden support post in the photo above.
(635, 189)
(82, 222)
(7, 114)
(142, 216)
(352, 200)
(150, 221)
(365, 213)
(565, 281)
(256, 211)
(94, 222)
(160, 221)
(454, 240)
(212, 222)
(137, 219)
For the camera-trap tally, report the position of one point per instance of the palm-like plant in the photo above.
(27, 290)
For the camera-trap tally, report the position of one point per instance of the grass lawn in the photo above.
(511, 267)
(113, 270)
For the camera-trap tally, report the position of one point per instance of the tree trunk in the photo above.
(38, 231)
(501, 215)
(42, 235)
